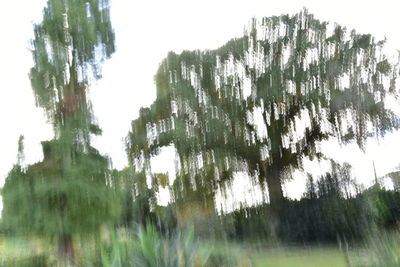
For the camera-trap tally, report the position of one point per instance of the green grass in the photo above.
(300, 257)
(382, 250)
(18, 249)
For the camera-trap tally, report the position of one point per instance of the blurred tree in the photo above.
(138, 201)
(71, 190)
(264, 102)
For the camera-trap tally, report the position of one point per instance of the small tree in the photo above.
(71, 191)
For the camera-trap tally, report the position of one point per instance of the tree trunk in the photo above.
(66, 249)
(272, 172)
(276, 199)
(275, 192)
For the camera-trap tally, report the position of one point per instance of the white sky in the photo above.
(145, 32)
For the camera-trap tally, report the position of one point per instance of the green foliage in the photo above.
(118, 254)
(238, 107)
(74, 35)
(179, 250)
(233, 109)
(384, 66)
(72, 190)
(149, 249)
(47, 199)
(384, 205)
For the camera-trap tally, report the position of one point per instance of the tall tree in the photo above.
(264, 102)
(70, 191)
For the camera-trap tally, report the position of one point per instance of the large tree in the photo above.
(70, 191)
(264, 102)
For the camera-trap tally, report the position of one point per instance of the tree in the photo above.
(71, 191)
(264, 102)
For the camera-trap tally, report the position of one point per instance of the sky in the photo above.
(145, 32)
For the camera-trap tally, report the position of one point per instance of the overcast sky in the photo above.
(145, 32)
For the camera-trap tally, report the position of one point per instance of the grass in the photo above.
(300, 257)
(381, 250)
(282, 257)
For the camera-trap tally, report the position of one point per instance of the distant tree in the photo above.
(311, 191)
(336, 183)
(71, 191)
(264, 102)
(395, 177)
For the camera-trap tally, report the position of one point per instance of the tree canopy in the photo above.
(265, 101)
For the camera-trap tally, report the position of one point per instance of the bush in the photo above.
(149, 249)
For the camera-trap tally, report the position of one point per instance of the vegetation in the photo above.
(259, 107)
(262, 104)
(70, 192)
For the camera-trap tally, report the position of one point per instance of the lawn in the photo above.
(301, 257)
(20, 250)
